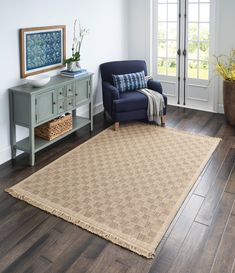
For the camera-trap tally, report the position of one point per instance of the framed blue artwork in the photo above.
(42, 49)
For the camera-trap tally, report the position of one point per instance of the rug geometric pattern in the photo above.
(125, 185)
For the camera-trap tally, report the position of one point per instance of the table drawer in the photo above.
(61, 106)
(61, 92)
(70, 103)
(69, 90)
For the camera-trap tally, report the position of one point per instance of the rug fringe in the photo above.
(97, 231)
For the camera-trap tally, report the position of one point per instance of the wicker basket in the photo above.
(54, 128)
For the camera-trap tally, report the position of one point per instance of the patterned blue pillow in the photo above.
(130, 82)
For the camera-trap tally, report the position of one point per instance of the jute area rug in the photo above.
(124, 186)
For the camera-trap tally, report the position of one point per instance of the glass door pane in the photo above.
(167, 25)
(198, 39)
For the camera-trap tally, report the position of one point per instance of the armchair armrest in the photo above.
(155, 85)
(110, 90)
(110, 93)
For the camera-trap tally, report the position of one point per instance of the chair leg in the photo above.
(163, 121)
(116, 126)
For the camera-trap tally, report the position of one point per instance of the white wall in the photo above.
(107, 41)
(140, 32)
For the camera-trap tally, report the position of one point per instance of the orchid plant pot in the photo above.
(73, 66)
(229, 101)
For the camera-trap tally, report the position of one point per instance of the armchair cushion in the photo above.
(130, 101)
(129, 82)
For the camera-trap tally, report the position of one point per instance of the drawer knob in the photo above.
(70, 103)
(61, 107)
(70, 90)
(76, 94)
(60, 93)
(54, 103)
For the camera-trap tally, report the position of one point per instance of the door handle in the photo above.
(184, 52)
(179, 52)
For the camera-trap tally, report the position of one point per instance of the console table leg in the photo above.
(13, 141)
(74, 113)
(91, 115)
(91, 124)
(13, 152)
(12, 128)
(32, 146)
(32, 159)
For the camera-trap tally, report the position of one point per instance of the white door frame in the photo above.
(213, 50)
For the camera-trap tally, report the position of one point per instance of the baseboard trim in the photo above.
(221, 109)
(193, 108)
(5, 155)
(84, 112)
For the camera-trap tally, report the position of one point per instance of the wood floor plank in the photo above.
(32, 238)
(87, 259)
(225, 131)
(3, 196)
(233, 270)
(9, 241)
(198, 121)
(71, 254)
(5, 205)
(211, 201)
(9, 212)
(209, 174)
(139, 266)
(24, 262)
(224, 260)
(215, 232)
(113, 254)
(175, 240)
(66, 238)
(178, 115)
(231, 182)
(17, 219)
(233, 211)
(187, 257)
(213, 126)
(83, 265)
(39, 265)
(116, 267)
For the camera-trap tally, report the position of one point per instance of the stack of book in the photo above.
(73, 74)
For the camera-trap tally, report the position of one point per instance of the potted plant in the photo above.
(78, 36)
(225, 67)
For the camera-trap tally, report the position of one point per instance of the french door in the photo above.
(183, 47)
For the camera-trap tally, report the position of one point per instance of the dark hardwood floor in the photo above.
(201, 239)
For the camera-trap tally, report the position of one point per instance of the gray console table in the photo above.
(31, 107)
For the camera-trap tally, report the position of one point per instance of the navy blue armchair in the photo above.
(126, 106)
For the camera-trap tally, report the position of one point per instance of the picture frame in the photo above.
(42, 49)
